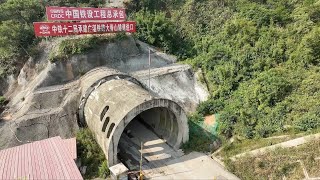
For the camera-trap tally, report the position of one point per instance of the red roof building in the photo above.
(51, 158)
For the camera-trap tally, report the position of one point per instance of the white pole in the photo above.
(149, 66)
(140, 174)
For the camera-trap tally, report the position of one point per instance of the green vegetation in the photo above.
(244, 145)
(69, 47)
(2, 101)
(260, 58)
(155, 29)
(77, 3)
(277, 164)
(199, 139)
(16, 32)
(91, 155)
(17, 40)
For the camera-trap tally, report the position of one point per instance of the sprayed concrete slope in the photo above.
(45, 97)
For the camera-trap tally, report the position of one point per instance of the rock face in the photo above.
(49, 113)
(126, 55)
(174, 82)
(45, 97)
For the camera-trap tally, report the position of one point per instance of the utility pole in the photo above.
(149, 66)
(140, 174)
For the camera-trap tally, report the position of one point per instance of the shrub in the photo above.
(69, 47)
(154, 28)
(16, 32)
(104, 170)
(199, 139)
(210, 106)
(308, 121)
(91, 155)
(2, 100)
(255, 108)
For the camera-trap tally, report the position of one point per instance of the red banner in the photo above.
(84, 14)
(64, 29)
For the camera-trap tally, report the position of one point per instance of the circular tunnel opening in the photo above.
(114, 105)
(156, 129)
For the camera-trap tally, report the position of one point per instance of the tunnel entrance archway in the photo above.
(172, 115)
(157, 129)
(162, 122)
(110, 102)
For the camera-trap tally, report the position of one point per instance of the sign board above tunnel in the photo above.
(64, 29)
(85, 14)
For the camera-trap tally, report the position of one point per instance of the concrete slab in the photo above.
(119, 171)
(160, 161)
(194, 166)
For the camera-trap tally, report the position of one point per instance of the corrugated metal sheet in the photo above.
(72, 146)
(45, 159)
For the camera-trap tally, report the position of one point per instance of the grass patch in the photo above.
(279, 163)
(2, 101)
(240, 146)
(69, 47)
(199, 138)
(91, 155)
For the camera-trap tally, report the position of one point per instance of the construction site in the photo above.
(137, 111)
(159, 89)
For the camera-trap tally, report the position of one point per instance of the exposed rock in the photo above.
(3, 86)
(37, 124)
(45, 96)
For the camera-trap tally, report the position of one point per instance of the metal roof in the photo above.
(45, 159)
(72, 146)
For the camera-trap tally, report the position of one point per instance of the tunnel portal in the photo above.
(114, 104)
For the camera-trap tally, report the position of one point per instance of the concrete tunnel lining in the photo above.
(180, 117)
(124, 100)
(102, 75)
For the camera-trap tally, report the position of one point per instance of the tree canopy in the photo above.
(16, 28)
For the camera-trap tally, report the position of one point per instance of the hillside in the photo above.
(260, 58)
(261, 63)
